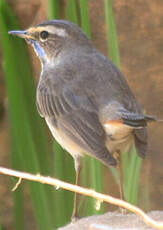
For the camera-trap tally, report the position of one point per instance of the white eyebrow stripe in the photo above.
(51, 29)
(61, 32)
(54, 30)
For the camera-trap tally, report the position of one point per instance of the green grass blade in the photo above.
(132, 165)
(71, 11)
(26, 124)
(84, 17)
(18, 209)
(18, 194)
(61, 214)
(96, 177)
(64, 170)
(131, 177)
(53, 9)
(0, 225)
(135, 186)
(111, 34)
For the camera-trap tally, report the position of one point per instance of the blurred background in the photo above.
(25, 142)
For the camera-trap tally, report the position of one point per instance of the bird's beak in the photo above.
(21, 33)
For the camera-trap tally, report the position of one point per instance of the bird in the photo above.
(83, 97)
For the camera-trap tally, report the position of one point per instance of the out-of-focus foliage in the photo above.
(28, 137)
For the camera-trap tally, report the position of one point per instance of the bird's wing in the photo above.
(77, 117)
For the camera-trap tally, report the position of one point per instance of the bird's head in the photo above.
(50, 38)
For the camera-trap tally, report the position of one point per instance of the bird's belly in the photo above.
(120, 137)
(117, 130)
(64, 140)
(120, 145)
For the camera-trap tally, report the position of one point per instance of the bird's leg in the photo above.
(78, 170)
(120, 174)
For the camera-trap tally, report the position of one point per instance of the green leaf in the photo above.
(0, 225)
(84, 17)
(71, 11)
(64, 170)
(53, 9)
(131, 177)
(111, 34)
(18, 194)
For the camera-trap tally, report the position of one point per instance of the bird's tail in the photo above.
(140, 135)
(150, 118)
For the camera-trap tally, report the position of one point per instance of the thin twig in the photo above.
(17, 184)
(87, 192)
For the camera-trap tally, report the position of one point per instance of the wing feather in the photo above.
(76, 116)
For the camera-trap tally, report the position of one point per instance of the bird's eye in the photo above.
(44, 35)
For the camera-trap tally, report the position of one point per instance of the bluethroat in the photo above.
(83, 97)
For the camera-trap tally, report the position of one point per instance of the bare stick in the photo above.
(87, 192)
(17, 184)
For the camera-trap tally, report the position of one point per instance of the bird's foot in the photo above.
(123, 211)
(74, 218)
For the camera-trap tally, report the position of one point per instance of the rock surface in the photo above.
(113, 220)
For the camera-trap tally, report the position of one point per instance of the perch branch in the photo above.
(87, 192)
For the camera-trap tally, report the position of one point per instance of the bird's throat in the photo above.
(44, 59)
(39, 51)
